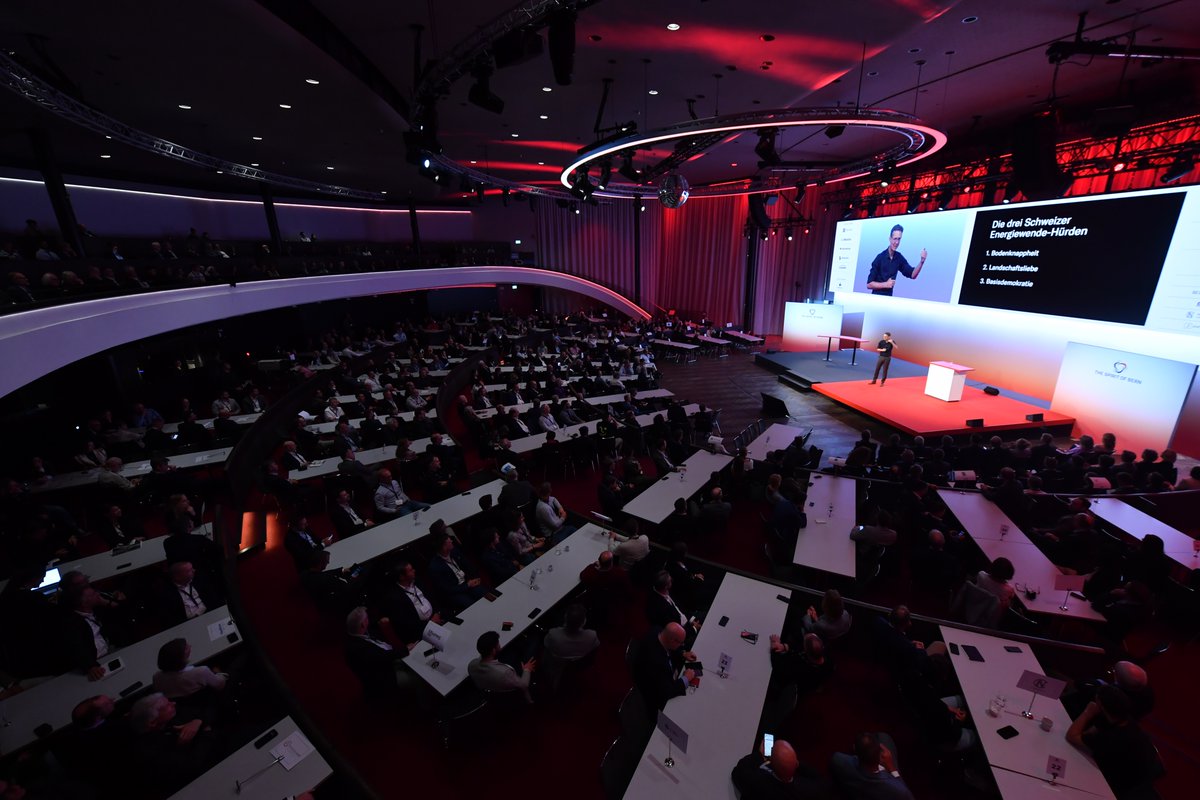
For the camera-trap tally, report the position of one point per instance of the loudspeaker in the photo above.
(517, 47)
(1033, 418)
(772, 406)
(975, 423)
(1034, 161)
(992, 390)
(560, 31)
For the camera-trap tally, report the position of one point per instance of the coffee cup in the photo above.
(1047, 723)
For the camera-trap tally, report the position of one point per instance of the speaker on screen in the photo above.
(975, 423)
(1034, 417)
(992, 390)
(772, 406)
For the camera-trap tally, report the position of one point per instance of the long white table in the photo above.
(826, 543)
(983, 521)
(745, 337)
(396, 533)
(256, 767)
(240, 419)
(518, 603)
(708, 339)
(528, 444)
(676, 345)
(777, 437)
(330, 427)
(649, 394)
(1138, 524)
(1027, 752)
(52, 702)
(134, 469)
(377, 455)
(657, 501)
(721, 716)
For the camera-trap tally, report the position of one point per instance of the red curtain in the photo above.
(699, 263)
(593, 244)
(797, 270)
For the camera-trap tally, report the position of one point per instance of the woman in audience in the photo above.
(177, 679)
(833, 621)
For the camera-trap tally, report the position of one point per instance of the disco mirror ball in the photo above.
(673, 190)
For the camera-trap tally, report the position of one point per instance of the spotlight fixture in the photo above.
(480, 93)
(765, 149)
(1183, 164)
(801, 189)
(834, 131)
(944, 198)
(575, 207)
(913, 204)
(887, 176)
(582, 187)
(790, 234)
(605, 174)
(1010, 193)
(627, 169)
(640, 203)
(672, 26)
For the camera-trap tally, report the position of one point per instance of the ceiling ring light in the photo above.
(919, 140)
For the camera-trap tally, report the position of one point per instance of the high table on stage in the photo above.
(946, 380)
(829, 342)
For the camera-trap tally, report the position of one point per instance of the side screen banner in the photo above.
(1097, 260)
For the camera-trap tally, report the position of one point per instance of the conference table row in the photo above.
(376, 455)
(132, 470)
(657, 501)
(528, 444)
(599, 400)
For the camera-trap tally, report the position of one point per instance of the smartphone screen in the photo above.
(768, 744)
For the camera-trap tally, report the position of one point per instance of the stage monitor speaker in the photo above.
(1034, 417)
(773, 407)
(975, 423)
(992, 390)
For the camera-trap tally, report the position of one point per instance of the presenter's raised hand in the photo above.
(924, 254)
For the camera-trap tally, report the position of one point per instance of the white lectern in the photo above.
(946, 380)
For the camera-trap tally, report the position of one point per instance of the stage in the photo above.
(902, 402)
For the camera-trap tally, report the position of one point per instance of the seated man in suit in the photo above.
(350, 465)
(872, 773)
(662, 610)
(334, 590)
(346, 521)
(779, 776)
(490, 674)
(89, 629)
(449, 578)
(169, 750)
(516, 492)
(404, 605)
(436, 481)
(374, 660)
(662, 459)
(187, 594)
(658, 668)
(293, 459)
(301, 543)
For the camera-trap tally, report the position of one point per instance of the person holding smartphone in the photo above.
(777, 773)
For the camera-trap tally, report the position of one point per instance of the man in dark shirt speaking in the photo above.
(886, 344)
(887, 264)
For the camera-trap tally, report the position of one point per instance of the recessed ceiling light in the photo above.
(541, 163)
(516, 241)
(653, 91)
(106, 136)
(105, 155)
(733, 164)
(284, 105)
(515, 135)
(313, 81)
(543, 116)
(474, 162)
(547, 89)
(256, 138)
(185, 107)
(329, 168)
(254, 163)
(872, 73)
(220, 172)
(384, 191)
(672, 26)
(970, 19)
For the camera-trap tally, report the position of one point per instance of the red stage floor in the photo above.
(903, 404)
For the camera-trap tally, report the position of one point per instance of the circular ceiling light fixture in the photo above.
(672, 26)
(916, 140)
(312, 81)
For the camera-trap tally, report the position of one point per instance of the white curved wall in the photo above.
(37, 342)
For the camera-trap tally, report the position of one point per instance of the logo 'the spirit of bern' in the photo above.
(1120, 366)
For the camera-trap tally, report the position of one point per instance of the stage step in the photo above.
(796, 382)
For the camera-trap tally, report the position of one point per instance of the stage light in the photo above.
(582, 187)
(834, 131)
(944, 198)
(480, 93)
(790, 234)
(765, 149)
(764, 236)
(1178, 169)
(801, 190)
(627, 169)
(1117, 167)
(605, 174)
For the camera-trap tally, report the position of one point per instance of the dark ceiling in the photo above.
(234, 62)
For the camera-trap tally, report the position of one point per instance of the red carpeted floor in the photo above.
(903, 404)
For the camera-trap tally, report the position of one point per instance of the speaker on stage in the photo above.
(992, 390)
(773, 407)
(975, 423)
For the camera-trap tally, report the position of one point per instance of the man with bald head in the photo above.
(779, 776)
(1126, 676)
(658, 667)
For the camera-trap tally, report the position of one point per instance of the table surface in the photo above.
(657, 501)
(776, 437)
(709, 339)
(387, 536)
(721, 716)
(528, 444)
(240, 419)
(826, 543)
(746, 337)
(134, 469)
(1138, 524)
(648, 394)
(330, 427)
(376, 455)
(680, 345)
(52, 702)
(1019, 786)
(273, 782)
(1025, 753)
(950, 365)
(517, 603)
(982, 520)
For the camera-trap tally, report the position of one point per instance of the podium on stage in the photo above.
(946, 380)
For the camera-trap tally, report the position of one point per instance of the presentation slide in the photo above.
(1135, 396)
(1125, 259)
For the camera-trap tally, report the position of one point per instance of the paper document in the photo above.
(292, 750)
(223, 628)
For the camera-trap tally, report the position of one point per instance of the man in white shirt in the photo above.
(111, 475)
(630, 549)
(545, 421)
(390, 499)
(334, 411)
(183, 575)
(413, 399)
(225, 403)
(551, 516)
